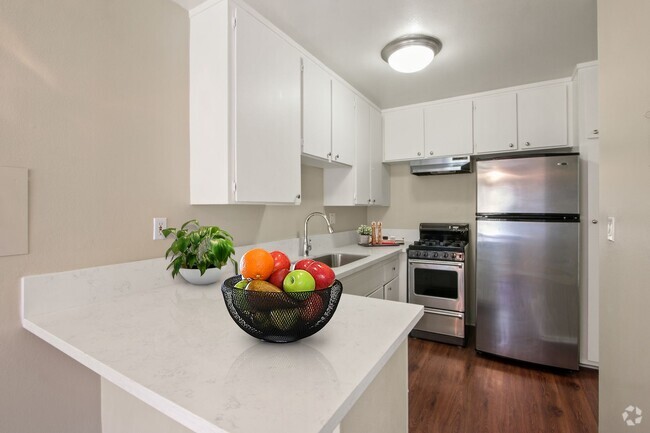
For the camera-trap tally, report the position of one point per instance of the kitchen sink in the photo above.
(336, 260)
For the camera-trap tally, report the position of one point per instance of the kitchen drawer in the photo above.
(391, 270)
(443, 322)
(391, 291)
(364, 282)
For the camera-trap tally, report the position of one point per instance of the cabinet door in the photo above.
(363, 156)
(316, 110)
(448, 129)
(377, 293)
(267, 104)
(542, 114)
(588, 102)
(379, 172)
(391, 291)
(343, 121)
(495, 123)
(403, 134)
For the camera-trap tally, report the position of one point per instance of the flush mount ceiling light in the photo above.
(411, 53)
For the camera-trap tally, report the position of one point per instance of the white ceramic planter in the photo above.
(364, 239)
(193, 276)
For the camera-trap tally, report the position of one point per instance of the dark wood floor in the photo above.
(455, 390)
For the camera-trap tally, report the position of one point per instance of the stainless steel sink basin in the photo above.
(336, 260)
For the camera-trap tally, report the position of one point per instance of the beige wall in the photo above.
(432, 199)
(623, 35)
(94, 101)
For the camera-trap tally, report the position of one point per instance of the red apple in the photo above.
(302, 264)
(312, 308)
(323, 274)
(280, 260)
(277, 277)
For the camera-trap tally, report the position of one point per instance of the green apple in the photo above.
(299, 283)
(262, 320)
(285, 318)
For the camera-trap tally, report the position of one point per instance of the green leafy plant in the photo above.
(364, 230)
(199, 247)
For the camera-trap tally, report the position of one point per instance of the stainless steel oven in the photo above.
(436, 279)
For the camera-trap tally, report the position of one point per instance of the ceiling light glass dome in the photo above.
(411, 53)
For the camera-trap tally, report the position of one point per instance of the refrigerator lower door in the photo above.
(527, 291)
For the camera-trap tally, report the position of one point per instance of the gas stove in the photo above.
(441, 241)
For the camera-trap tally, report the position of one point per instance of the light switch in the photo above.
(13, 211)
(611, 228)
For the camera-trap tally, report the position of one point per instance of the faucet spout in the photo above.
(306, 242)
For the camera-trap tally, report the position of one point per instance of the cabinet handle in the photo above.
(337, 156)
(368, 200)
(431, 152)
(298, 196)
(527, 143)
(419, 153)
(595, 132)
(373, 200)
(594, 221)
(329, 155)
(511, 145)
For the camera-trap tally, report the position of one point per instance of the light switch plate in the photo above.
(611, 228)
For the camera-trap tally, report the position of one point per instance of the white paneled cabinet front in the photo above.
(343, 123)
(367, 182)
(448, 129)
(495, 123)
(244, 110)
(316, 110)
(403, 134)
(542, 117)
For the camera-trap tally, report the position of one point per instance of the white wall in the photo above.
(432, 199)
(94, 101)
(624, 57)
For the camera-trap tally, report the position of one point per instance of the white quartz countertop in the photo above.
(174, 346)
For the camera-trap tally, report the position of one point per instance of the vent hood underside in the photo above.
(447, 165)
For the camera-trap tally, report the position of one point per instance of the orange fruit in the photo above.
(256, 264)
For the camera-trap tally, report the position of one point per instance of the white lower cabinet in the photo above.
(378, 293)
(244, 110)
(391, 290)
(373, 280)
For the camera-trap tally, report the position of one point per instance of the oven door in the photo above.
(435, 284)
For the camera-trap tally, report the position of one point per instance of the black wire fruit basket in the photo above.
(280, 317)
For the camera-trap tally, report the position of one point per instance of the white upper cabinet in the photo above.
(495, 123)
(587, 103)
(316, 110)
(448, 129)
(379, 172)
(403, 134)
(521, 120)
(542, 114)
(244, 110)
(367, 182)
(343, 123)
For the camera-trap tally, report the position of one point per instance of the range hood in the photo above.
(446, 165)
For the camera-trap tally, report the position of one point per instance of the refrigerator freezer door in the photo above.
(533, 185)
(527, 291)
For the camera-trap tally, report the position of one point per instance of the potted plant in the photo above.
(364, 234)
(199, 252)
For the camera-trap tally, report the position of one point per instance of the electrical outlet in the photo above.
(159, 224)
(332, 218)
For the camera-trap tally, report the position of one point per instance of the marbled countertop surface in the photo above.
(174, 346)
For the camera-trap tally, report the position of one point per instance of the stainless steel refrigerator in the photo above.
(527, 259)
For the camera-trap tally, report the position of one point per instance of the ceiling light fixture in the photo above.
(411, 53)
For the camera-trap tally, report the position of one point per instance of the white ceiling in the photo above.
(487, 44)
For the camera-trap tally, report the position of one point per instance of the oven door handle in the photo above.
(433, 262)
(443, 313)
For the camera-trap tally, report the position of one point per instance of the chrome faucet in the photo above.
(306, 241)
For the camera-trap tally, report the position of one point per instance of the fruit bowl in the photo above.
(280, 317)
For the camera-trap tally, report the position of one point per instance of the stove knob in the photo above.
(435, 255)
(453, 256)
(446, 256)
